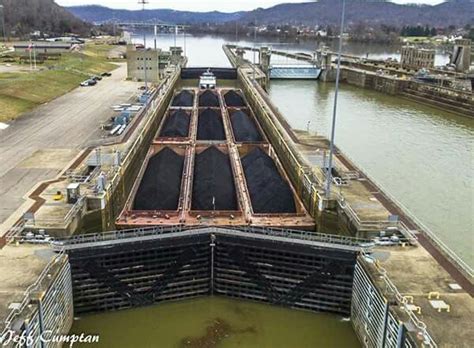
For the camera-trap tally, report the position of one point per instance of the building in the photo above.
(461, 56)
(153, 60)
(42, 47)
(414, 57)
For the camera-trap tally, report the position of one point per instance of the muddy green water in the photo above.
(216, 322)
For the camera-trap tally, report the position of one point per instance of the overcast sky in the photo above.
(202, 5)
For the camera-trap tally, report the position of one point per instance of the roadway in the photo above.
(39, 144)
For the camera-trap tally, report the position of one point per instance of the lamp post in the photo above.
(143, 3)
(254, 48)
(333, 128)
(4, 32)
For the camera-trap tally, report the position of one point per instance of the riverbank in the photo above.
(22, 90)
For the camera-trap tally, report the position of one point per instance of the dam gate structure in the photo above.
(144, 267)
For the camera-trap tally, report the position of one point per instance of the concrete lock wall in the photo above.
(118, 193)
(189, 265)
(372, 318)
(50, 309)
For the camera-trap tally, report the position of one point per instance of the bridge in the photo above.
(158, 24)
(305, 67)
(294, 72)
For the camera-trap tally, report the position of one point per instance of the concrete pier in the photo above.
(35, 295)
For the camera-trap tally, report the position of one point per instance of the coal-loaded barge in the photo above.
(210, 163)
(209, 193)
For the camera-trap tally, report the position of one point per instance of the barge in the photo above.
(221, 169)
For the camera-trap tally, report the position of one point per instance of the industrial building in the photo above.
(149, 64)
(414, 57)
(462, 55)
(42, 47)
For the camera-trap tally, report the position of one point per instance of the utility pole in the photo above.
(34, 55)
(333, 129)
(175, 34)
(4, 32)
(254, 47)
(143, 3)
(184, 34)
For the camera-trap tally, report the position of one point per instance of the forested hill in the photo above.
(100, 14)
(322, 12)
(25, 16)
(328, 12)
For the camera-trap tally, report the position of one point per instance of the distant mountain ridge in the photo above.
(101, 14)
(322, 12)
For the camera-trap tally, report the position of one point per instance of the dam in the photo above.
(183, 212)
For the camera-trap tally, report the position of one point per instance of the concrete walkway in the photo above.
(39, 144)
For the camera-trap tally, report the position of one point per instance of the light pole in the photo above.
(333, 129)
(143, 3)
(4, 32)
(254, 48)
(184, 37)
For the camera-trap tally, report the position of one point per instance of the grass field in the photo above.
(22, 91)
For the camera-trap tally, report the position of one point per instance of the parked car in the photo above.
(96, 78)
(106, 74)
(89, 82)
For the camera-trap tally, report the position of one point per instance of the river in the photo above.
(422, 156)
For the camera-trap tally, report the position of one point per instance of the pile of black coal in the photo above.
(232, 98)
(161, 183)
(176, 125)
(210, 125)
(244, 127)
(184, 99)
(213, 183)
(269, 192)
(208, 99)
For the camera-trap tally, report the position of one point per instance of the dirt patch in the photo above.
(161, 184)
(216, 332)
(213, 185)
(269, 192)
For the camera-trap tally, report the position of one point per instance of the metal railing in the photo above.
(83, 179)
(65, 220)
(148, 110)
(123, 235)
(28, 294)
(14, 231)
